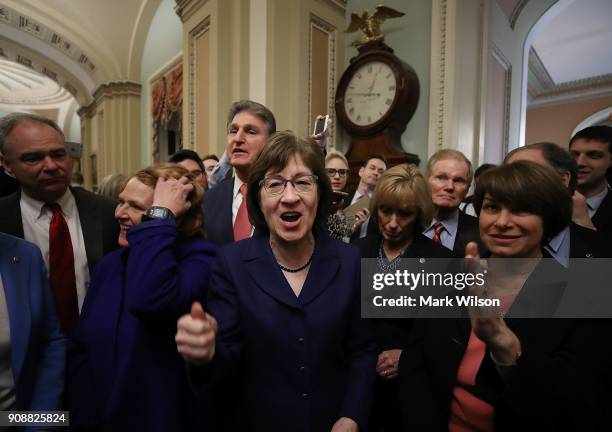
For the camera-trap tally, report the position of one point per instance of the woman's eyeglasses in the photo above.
(301, 184)
(331, 172)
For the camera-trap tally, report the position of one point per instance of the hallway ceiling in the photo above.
(21, 85)
(577, 44)
(573, 53)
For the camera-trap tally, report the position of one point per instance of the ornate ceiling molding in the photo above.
(186, 8)
(30, 26)
(544, 91)
(110, 90)
(516, 12)
(31, 63)
(20, 84)
(118, 88)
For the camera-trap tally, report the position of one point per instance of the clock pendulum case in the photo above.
(375, 98)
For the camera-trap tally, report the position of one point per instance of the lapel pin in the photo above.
(16, 259)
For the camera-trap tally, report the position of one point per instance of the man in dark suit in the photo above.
(34, 152)
(369, 174)
(578, 239)
(592, 149)
(249, 124)
(450, 174)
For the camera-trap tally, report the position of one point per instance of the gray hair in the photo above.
(11, 121)
(254, 108)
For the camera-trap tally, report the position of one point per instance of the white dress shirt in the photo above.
(36, 219)
(594, 202)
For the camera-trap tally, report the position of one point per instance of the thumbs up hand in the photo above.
(196, 335)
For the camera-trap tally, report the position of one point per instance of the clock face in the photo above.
(370, 93)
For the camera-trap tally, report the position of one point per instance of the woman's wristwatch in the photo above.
(154, 213)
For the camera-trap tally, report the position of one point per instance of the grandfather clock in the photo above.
(375, 98)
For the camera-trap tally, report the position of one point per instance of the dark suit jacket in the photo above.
(587, 243)
(467, 231)
(392, 333)
(8, 184)
(602, 219)
(556, 384)
(38, 347)
(302, 362)
(96, 213)
(218, 213)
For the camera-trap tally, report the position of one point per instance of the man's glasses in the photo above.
(301, 184)
(331, 172)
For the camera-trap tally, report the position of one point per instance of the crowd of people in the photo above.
(182, 297)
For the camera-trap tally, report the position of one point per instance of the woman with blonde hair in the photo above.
(124, 372)
(401, 207)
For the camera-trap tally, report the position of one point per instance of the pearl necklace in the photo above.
(295, 270)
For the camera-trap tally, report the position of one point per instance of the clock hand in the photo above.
(374, 80)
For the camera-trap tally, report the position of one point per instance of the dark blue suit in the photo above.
(124, 370)
(38, 348)
(218, 213)
(301, 362)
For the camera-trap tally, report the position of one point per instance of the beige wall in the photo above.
(555, 123)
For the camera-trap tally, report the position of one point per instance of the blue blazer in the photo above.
(38, 347)
(124, 370)
(218, 213)
(301, 362)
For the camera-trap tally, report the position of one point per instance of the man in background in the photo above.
(191, 161)
(592, 150)
(449, 174)
(369, 174)
(249, 124)
(210, 162)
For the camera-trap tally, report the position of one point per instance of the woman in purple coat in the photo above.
(124, 372)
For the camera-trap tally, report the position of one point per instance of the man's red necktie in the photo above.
(438, 228)
(242, 226)
(61, 269)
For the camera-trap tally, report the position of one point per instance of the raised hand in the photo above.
(196, 335)
(172, 194)
(489, 324)
(360, 217)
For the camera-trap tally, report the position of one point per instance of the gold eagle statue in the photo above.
(370, 24)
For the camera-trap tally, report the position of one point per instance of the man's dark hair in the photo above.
(11, 121)
(374, 156)
(483, 168)
(210, 156)
(254, 108)
(558, 158)
(595, 133)
(185, 154)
